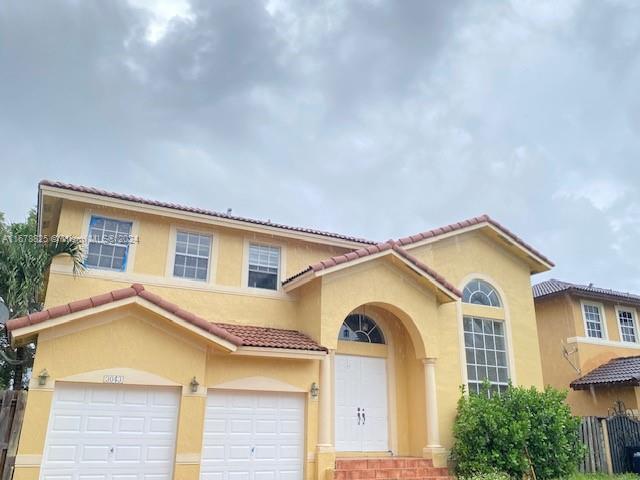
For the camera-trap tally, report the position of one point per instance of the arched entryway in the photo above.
(378, 385)
(361, 386)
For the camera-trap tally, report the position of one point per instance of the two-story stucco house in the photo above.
(204, 345)
(589, 344)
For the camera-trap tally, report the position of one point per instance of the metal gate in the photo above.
(624, 431)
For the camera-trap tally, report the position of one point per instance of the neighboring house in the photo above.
(213, 343)
(589, 342)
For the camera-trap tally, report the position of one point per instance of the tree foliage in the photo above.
(24, 262)
(509, 432)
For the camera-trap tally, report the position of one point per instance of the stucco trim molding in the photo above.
(262, 384)
(130, 376)
(279, 353)
(606, 343)
(28, 460)
(188, 458)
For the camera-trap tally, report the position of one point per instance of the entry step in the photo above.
(389, 468)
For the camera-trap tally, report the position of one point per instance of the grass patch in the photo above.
(602, 476)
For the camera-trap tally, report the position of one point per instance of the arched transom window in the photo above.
(360, 328)
(481, 293)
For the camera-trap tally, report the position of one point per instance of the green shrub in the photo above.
(487, 476)
(500, 433)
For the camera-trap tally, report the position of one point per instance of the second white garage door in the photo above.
(253, 436)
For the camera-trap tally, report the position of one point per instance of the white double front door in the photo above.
(361, 412)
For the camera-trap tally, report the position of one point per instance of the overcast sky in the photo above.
(372, 118)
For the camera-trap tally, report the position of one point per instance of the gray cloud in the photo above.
(372, 117)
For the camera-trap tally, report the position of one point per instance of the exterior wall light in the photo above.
(42, 378)
(315, 391)
(194, 385)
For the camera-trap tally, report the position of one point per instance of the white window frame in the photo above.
(171, 254)
(245, 267)
(603, 319)
(131, 252)
(634, 315)
(507, 350)
(175, 242)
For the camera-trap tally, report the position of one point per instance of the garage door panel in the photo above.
(111, 432)
(253, 436)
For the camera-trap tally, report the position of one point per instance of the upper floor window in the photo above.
(594, 326)
(108, 243)
(360, 328)
(191, 260)
(627, 320)
(264, 266)
(481, 293)
(486, 353)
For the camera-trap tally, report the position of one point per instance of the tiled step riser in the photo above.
(369, 463)
(389, 474)
(388, 469)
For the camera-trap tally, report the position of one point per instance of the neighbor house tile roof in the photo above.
(371, 250)
(553, 286)
(239, 335)
(469, 223)
(174, 206)
(618, 371)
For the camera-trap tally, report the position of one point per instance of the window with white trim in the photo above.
(481, 293)
(627, 325)
(191, 260)
(108, 243)
(264, 266)
(360, 328)
(593, 320)
(486, 354)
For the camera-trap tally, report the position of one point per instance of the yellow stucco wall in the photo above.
(416, 323)
(462, 257)
(560, 321)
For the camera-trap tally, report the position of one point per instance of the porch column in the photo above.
(434, 449)
(431, 399)
(325, 452)
(325, 420)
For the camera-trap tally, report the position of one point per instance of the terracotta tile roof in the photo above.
(271, 337)
(618, 371)
(239, 335)
(469, 223)
(174, 206)
(553, 286)
(371, 250)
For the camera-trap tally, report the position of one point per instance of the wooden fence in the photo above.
(593, 433)
(12, 405)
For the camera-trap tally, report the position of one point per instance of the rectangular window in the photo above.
(191, 260)
(627, 325)
(264, 265)
(108, 243)
(593, 320)
(486, 352)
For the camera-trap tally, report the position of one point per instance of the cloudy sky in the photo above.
(368, 117)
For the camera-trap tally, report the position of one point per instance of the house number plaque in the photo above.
(113, 379)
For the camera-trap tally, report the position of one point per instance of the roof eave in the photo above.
(74, 195)
(531, 257)
(311, 274)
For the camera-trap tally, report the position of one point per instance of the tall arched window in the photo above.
(481, 293)
(360, 328)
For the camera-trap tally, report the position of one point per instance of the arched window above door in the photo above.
(481, 293)
(360, 328)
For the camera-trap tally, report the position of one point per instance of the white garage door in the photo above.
(253, 436)
(111, 432)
